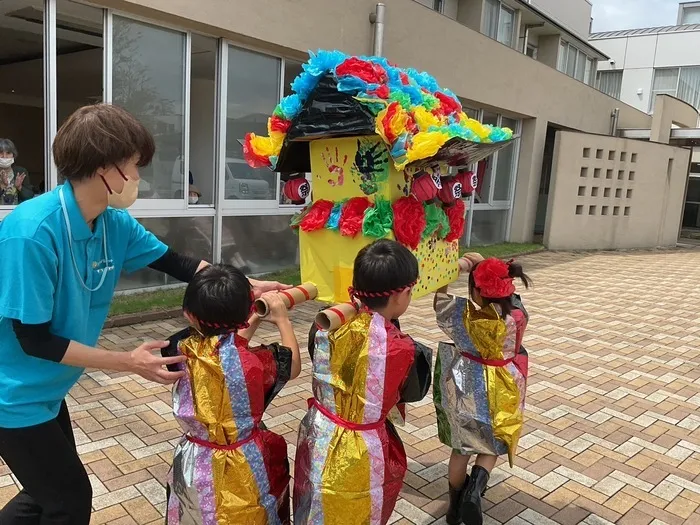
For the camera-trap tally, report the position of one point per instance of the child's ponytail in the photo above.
(516, 272)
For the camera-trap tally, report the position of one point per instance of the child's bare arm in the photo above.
(279, 316)
(254, 323)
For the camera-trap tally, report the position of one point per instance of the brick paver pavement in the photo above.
(612, 432)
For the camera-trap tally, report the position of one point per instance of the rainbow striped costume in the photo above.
(228, 468)
(350, 462)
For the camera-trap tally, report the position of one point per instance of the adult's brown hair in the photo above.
(100, 136)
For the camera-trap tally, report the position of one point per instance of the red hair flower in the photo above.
(317, 216)
(352, 215)
(409, 221)
(492, 278)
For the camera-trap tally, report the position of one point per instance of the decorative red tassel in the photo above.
(351, 216)
(253, 159)
(409, 221)
(455, 215)
(317, 217)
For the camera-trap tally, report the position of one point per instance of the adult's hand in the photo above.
(261, 287)
(19, 180)
(148, 365)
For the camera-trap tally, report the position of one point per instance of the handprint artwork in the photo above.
(335, 168)
(371, 165)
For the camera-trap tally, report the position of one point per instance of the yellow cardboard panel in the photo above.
(353, 167)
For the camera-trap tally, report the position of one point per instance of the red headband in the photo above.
(492, 278)
(362, 294)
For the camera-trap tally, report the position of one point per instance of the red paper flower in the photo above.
(351, 216)
(382, 91)
(449, 104)
(404, 78)
(363, 69)
(317, 217)
(279, 124)
(409, 221)
(493, 280)
(391, 111)
(253, 159)
(455, 214)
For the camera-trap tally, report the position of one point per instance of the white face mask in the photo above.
(194, 199)
(127, 197)
(7, 162)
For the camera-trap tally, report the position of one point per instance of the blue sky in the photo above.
(609, 15)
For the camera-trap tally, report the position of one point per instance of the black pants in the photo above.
(56, 490)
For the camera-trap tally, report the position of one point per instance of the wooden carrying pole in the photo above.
(292, 297)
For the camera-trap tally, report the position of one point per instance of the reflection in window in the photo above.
(292, 69)
(610, 83)
(498, 22)
(488, 227)
(79, 52)
(253, 92)
(202, 117)
(148, 66)
(504, 166)
(259, 244)
(22, 100)
(186, 235)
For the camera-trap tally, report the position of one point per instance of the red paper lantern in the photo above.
(469, 181)
(425, 187)
(451, 191)
(296, 190)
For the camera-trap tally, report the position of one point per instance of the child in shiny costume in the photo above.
(480, 379)
(228, 468)
(350, 462)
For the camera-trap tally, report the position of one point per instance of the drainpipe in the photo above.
(377, 19)
(614, 120)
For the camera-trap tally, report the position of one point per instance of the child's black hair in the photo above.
(219, 297)
(382, 267)
(506, 303)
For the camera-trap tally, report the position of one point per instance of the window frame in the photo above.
(565, 48)
(600, 74)
(501, 7)
(653, 92)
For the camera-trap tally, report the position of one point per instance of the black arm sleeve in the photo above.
(312, 340)
(419, 377)
(180, 267)
(37, 341)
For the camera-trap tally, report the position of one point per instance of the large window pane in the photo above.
(580, 72)
(292, 69)
(202, 119)
(505, 26)
(571, 61)
(259, 244)
(22, 99)
(148, 66)
(187, 235)
(563, 54)
(79, 52)
(689, 86)
(489, 227)
(491, 10)
(589, 71)
(484, 169)
(505, 166)
(665, 83)
(610, 83)
(253, 92)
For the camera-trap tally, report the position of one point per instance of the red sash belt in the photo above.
(499, 363)
(349, 425)
(216, 446)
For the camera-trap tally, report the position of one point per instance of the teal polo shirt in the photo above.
(39, 283)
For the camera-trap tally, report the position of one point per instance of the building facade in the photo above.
(655, 61)
(201, 78)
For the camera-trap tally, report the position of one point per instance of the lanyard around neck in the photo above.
(70, 246)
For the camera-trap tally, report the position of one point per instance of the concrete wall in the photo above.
(575, 15)
(614, 193)
(470, 64)
(548, 50)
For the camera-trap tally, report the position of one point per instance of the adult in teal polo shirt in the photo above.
(61, 255)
